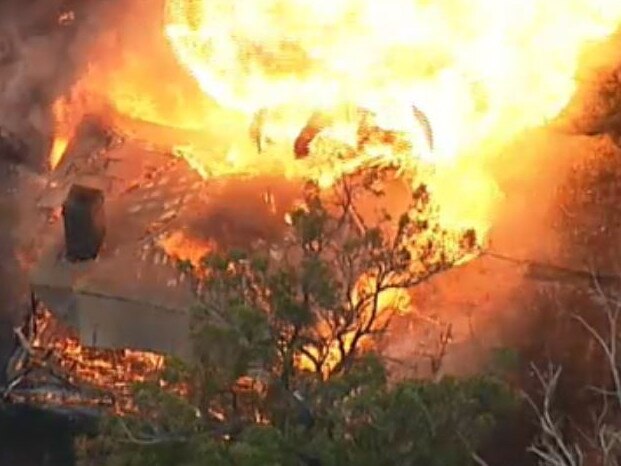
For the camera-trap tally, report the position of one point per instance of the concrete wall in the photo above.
(108, 322)
(113, 323)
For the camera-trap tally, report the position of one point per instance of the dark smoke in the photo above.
(39, 60)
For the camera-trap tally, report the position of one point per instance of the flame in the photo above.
(59, 146)
(390, 302)
(179, 246)
(478, 73)
(110, 374)
(64, 127)
(482, 71)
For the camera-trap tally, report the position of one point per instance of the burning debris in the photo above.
(50, 367)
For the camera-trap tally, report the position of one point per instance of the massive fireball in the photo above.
(480, 71)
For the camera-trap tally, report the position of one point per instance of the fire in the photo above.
(446, 84)
(59, 146)
(183, 248)
(105, 377)
(479, 71)
(391, 302)
(63, 130)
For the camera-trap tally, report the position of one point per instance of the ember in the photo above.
(183, 248)
(51, 367)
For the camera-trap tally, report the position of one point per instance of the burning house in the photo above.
(205, 141)
(118, 218)
(109, 266)
(123, 291)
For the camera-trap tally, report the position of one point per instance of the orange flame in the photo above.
(111, 372)
(481, 70)
(63, 130)
(181, 247)
(390, 302)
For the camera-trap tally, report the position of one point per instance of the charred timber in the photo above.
(256, 129)
(422, 119)
(315, 125)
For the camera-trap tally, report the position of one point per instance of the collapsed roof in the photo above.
(133, 295)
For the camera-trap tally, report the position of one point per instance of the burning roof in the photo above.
(158, 211)
(115, 300)
(228, 92)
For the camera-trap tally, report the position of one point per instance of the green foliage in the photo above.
(250, 401)
(423, 423)
(360, 420)
(307, 302)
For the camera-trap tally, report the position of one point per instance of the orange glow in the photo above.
(481, 71)
(63, 130)
(111, 372)
(59, 146)
(390, 302)
(181, 247)
(238, 82)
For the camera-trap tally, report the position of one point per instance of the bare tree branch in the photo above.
(552, 447)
